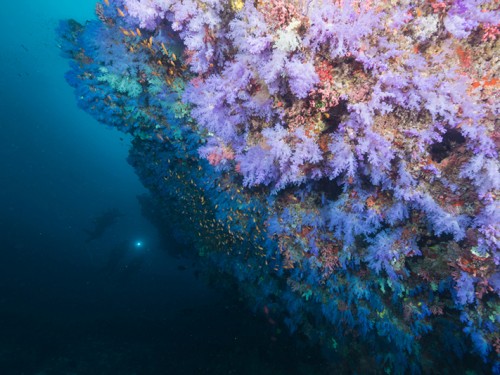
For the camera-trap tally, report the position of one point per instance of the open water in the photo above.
(87, 284)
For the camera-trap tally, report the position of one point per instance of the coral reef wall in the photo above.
(337, 159)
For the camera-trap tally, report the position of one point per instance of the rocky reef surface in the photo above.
(337, 160)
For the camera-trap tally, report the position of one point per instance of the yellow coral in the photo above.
(237, 5)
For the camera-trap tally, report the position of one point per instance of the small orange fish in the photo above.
(120, 12)
(164, 48)
(138, 32)
(106, 2)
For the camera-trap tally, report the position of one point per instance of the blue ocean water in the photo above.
(80, 294)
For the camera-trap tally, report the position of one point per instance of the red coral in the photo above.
(482, 287)
(219, 154)
(437, 310)
(279, 13)
(496, 345)
(324, 71)
(490, 32)
(464, 57)
(438, 7)
(329, 259)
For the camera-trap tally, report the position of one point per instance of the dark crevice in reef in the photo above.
(334, 117)
(434, 240)
(451, 139)
(330, 189)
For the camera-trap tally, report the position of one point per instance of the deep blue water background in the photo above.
(60, 313)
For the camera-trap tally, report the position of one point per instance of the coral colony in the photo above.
(337, 159)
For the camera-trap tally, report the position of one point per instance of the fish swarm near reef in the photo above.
(337, 159)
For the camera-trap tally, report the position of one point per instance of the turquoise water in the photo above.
(49, 146)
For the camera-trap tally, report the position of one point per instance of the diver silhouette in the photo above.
(102, 223)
